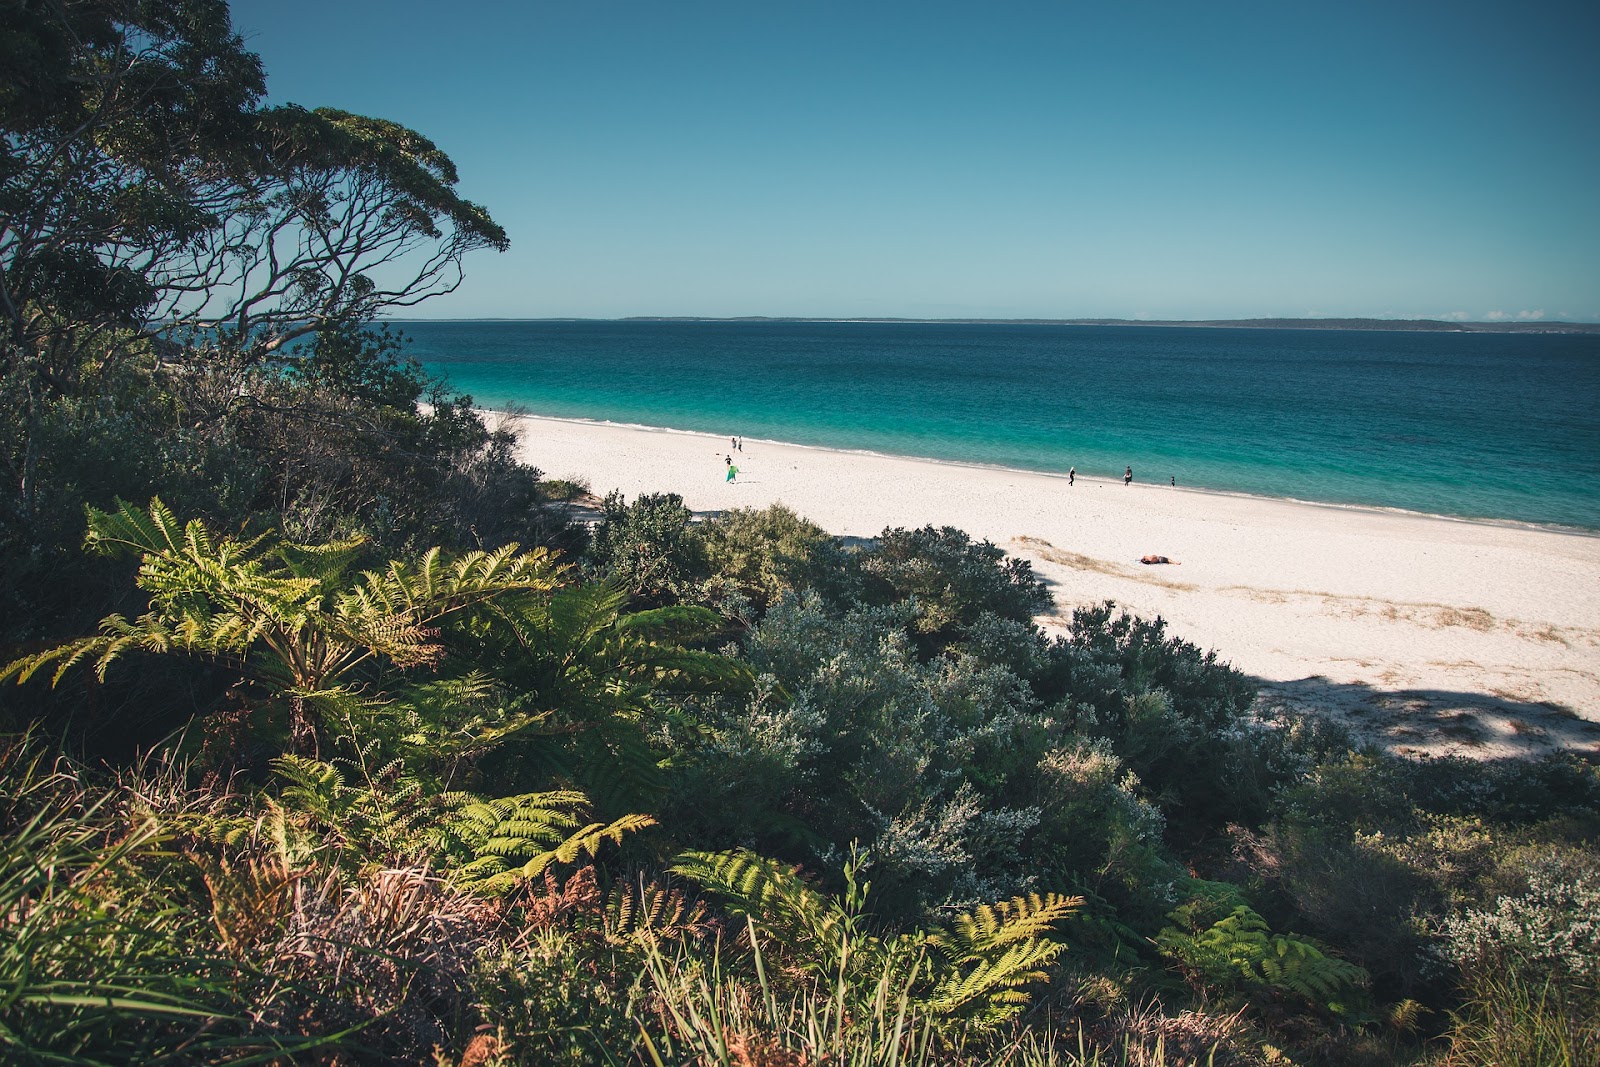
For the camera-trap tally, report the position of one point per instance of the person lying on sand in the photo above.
(1158, 559)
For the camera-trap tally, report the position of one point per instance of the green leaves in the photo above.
(514, 839)
(286, 613)
(1240, 951)
(973, 973)
(591, 679)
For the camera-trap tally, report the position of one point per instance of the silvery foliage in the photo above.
(906, 758)
(942, 840)
(1097, 802)
(1552, 930)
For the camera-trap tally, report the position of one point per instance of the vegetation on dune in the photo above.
(347, 747)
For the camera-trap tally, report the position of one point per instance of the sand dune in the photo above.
(1426, 634)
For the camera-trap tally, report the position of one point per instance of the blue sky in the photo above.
(1008, 158)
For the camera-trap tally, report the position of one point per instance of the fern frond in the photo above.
(814, 927)
(992, 926)
(1240, 950)
(540, 829)
(649, 913)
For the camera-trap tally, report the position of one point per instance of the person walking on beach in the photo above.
(1127, 476)
(733, 472)
(733, 444)
(1072, 475)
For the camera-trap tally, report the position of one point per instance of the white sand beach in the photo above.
(1424, 634)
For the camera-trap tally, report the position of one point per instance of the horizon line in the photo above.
(1290, 322)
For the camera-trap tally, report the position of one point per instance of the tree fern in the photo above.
(643, 911)
(359, 811)
(285, 612)
(592, 681)
(816, 930)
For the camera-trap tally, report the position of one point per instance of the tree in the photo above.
(147, 198)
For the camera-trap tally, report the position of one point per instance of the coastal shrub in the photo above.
(852, 737)
(951, 579)
(1348, 891)
(1099, 832)
(769, 552)
(746, 764)
(1391, 858)
(1200, 688)
(1177, 715)
(1371, 792)
(948, 772)
(1549, 932)
(566, 490)
(646, 547)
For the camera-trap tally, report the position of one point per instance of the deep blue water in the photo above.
(1476, 425)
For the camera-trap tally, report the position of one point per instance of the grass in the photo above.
(1510, 1021)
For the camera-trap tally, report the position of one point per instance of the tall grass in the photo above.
(1511, 1021)
(699, 1015)
(94, 966)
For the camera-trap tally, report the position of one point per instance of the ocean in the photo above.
(1483, 426)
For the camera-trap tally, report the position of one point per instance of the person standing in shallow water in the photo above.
(1072, 475)
(1127, 476)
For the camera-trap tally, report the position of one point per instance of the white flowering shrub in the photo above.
(1552, 930)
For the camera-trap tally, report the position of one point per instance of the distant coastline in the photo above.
(1397, 325)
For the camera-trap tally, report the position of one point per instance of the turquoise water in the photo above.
(1475, 425)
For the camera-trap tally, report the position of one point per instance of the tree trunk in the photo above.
(303, 734)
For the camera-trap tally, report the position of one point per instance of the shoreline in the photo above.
(1376, 509)
(1423, 634)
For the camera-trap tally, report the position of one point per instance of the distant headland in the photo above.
(1413, 325)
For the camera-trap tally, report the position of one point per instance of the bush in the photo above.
(646, 547)
(769, 552)
(1551, 932)
(1177, 715)
(952, 579)
(852, 738)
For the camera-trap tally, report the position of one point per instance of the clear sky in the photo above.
(996, 158)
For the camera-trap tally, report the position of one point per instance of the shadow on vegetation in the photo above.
(1437, 721)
